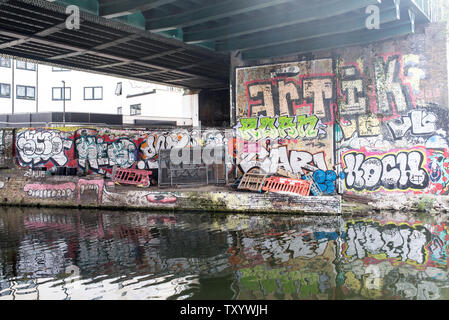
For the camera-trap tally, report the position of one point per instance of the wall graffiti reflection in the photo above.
(49, 254)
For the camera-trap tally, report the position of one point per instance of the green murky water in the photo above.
(63, 254)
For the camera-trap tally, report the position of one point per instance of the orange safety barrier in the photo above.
(132, 176)
(278, 184)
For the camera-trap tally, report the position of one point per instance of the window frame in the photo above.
(5, 59)
(131, 109)
(26, 65)
(93, 93)
(61, 89)
(26, 93)
(59, 69)
(5, 84)
(119, 85)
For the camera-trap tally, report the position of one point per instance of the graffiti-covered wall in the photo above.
(393, 115)
(99, 150)
(360, 119)
(285, 117)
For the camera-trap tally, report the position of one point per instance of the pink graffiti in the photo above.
(49, 190)
(96, 185)
(161, 199)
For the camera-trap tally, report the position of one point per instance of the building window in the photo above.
(118, 89)
(57, 94)
(119, 110)
(57, 69)
(5, 90)
(136, 110)
(24, 65)
(5, 63)
(26, 92)
(93, 93)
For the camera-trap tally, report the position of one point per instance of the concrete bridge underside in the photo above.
(188, 43)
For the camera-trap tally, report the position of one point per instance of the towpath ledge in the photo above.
(96, 192)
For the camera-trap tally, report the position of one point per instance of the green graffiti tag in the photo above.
(255, 129)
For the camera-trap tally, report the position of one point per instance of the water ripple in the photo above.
(80, 255)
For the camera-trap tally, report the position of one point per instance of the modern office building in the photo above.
(28, 88)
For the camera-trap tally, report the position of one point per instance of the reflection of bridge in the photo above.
(187, 42)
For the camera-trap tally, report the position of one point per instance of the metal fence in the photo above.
(193, 171)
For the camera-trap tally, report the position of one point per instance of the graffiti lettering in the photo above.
(164, 141)
(402, 242)
(418, 122)
(393, 96)
(278, 158)
(402, 170)
(94, 152)
(37, 147)
(253, 129)
(281, 97)
(352, 87)
(35, 174)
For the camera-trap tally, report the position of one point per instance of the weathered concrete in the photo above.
(100, 193)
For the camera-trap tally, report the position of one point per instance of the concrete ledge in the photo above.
(225, 201)
(100, 193)
(428, 204)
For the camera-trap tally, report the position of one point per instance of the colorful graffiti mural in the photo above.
(367, 120)
(389, 138)
(285, 115)
(99, 150)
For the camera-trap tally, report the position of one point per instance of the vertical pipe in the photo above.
(63, 103)
(37, 87)
(13, 90)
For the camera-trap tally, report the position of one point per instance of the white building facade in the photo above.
(33, 88)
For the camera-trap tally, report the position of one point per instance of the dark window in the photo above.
(57, 93)
(93, 93)
(5, 90)
(118, 89)
(24, 65)
(5, 63)
(26, 92)
(58, 69)
(136, 109)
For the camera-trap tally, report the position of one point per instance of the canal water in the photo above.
(70, 254)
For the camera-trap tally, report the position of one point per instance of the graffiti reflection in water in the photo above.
(48, 254)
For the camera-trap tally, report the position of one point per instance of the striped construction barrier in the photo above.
(136, 177)
(279, 184)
